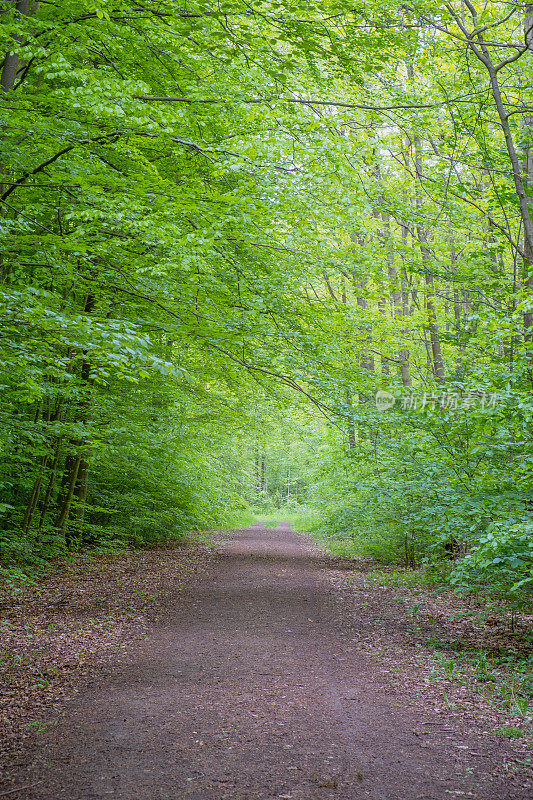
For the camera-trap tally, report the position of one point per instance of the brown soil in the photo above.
(255, 683)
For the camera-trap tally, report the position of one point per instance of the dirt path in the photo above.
(248, 688)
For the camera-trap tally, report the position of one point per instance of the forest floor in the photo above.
(258, 670)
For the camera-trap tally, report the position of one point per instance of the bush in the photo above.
(502, 559)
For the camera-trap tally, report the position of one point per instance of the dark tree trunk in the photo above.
(69, 483)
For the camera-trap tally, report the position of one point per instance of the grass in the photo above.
(40, 726)
(504, 679)
(300, 518)
(271, 518)
(502, 674)
(510, 731)
(398, 578)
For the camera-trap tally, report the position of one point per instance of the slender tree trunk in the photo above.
(479, 47)
(436, 350)
(405, 311)
(70, 483)
(351, 423)
(528, 178)
(431, 310)
(264, 480)
(359, 283)
(257, 459)
(368, 360)
(80, 489)
(47, 418)
(396, 294)
(51, 483)
(74, 482)
(385, 368)
(34, 497)
(330, 288)
(349, 397)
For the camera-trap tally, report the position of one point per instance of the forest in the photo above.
(266, 259)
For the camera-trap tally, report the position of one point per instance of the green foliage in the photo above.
(510, 731)
(501, 559)
(223, 230)
(505, 678)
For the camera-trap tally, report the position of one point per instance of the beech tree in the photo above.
(207, 213)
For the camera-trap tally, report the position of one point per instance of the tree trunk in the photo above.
(264, 480)
(349, 397)
(257, 461)
(71, 476)
(51, 483)
(396, 294)
(351, 423)
(368, 361)
(405, 311)
(436, 350)
(528, 178)
(10, 66)
(479, 47)
(34, 497)
(11, 61)
(80, 490)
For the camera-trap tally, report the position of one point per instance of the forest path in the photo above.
(248, 688)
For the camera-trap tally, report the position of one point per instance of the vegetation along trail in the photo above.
(266, 260)
(250, 686)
